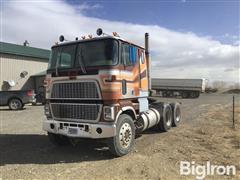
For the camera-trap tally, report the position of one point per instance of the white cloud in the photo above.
(86, 6)
(174, 54)
(237, 43)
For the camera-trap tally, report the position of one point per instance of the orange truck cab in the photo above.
(99, 88)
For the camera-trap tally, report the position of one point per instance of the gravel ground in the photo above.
(204, 135)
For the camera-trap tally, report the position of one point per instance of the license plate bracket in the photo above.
(72, 131)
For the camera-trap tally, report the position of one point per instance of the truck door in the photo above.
(129, 75)
(143, 81)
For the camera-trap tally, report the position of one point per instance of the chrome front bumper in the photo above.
(80, 130)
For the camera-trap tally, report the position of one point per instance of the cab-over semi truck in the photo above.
(99, 88)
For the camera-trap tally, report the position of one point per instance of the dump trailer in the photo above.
(185, 88)
(98, 87)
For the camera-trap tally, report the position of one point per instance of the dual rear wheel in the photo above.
(170, 116)
(190, 94)
(176, 112)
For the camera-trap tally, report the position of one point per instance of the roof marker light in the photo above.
(61, 38)
(115, 34)
(99, 31)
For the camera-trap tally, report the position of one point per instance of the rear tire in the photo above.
(184, 94)
(122, 143)
(58, 140)
(197, 94)
(15, 104)
(164, 94)
(166, 118)
(176, 112)
(192, 94)
(170, 93)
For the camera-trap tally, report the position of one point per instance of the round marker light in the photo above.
(99, 31)
(61, 38)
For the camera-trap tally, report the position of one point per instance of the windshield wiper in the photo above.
(80, 61)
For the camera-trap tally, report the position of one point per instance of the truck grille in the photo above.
(76, 112)
(75, 90)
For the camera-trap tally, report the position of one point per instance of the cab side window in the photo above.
(125, 55)
(129, 55)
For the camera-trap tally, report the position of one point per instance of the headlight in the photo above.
(108, 113)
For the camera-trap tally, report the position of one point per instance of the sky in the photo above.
(188, 38)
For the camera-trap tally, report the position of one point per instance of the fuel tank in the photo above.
(149, 118)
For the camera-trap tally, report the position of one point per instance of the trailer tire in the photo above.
(170, 93)
(166, 118)
(122, 143)
(176, 112)
(184, 94)
(164, 94)
(192, 94)
(58, 140)
(195, 94)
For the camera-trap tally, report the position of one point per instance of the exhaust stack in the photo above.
(148, 60)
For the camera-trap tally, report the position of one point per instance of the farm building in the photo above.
(21, 66)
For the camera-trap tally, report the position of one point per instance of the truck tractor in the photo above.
(99, 88)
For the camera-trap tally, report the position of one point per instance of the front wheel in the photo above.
(122, 143)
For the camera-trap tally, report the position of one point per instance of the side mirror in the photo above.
(99, 31)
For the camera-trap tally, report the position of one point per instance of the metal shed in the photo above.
(15, 59)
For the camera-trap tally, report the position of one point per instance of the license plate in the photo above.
(72, 131)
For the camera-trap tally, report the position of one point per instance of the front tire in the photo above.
(58, 140)
(122, 143)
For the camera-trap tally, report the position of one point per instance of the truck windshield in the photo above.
(87, 54)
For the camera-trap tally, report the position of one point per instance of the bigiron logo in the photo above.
(201, 171)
